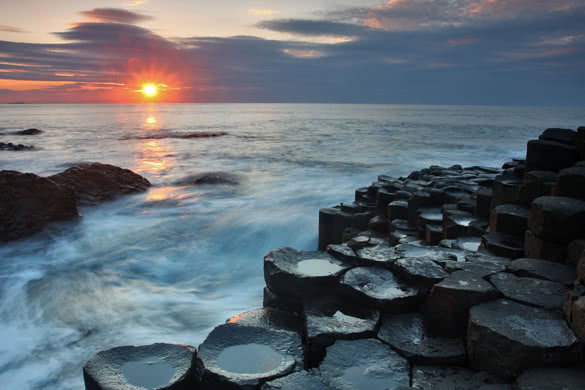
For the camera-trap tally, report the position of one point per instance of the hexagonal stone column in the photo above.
(156, 366)
(505, 337)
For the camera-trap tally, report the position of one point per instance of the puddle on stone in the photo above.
(317, 267)
(249, 359)
(149, 373)
(367, 378)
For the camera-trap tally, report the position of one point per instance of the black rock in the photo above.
(483, 200)
(537, 184)
(28, 203)
(94, 183)
(536, 247)
(509, 219)
(506, 189)
(364, 365)
(398, 210)
(543, 269)
(332, 223)
(505, 337)
(269, 318)
(571, 183)
(209, 178)
(160, 366)
(575, 250)
(544, 155)
(557, 219)
(299, 274)
(274, 301)
(454, 378)
(422, 271)
(551, 379)
(378, 255)
(12, 147)
(565, 136)
(447, 305)
(344, 253)
(535, 292)
(405, 333)
(504, 245)
(303, 380)
(28, 132)
(238, 357)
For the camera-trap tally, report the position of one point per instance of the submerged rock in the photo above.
(28, 132)
(156, 366)
(405, 333)
(505, 337)
(363, 365)
(12, 147)
(237, 356)
(28, 203)
(209, 178)
(299, 274)
(94, 183)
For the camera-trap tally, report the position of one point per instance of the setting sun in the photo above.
(149, 90)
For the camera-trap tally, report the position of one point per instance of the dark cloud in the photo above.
(115, 15)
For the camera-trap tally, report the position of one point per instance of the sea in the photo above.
(170, 264)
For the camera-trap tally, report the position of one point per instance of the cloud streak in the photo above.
(115, 15)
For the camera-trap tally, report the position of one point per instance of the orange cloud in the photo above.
(304, 53)
(30, 85)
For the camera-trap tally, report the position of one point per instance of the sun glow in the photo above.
(149, 90)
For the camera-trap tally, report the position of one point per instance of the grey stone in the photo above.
(303, 380)
(502, 244)
(361, 220)
(274, 301)
(510, 219)
(543, 269)
(160, 366)
(551, 379)
(578, 317)
(405, 333)
(398, 210)
(447, 306)
(537, 184)
(298, 274)
(557, 219)
(378, 255)
(571, 183)
(505, 337)
(536, 247)
(378, 224)
(535, 292)
(506, 189)
(343, 252)
(422, 271)
(332, 222)
(379, 287)
(237, 357)
(269, 318)
(433, 234)
(454, 378)
(364, 365)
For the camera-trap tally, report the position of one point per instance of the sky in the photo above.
(492, 52)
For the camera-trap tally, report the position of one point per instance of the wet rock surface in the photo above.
(422, 271)
(28, 203)
(209, 178)
(551, 379)
(364, 365)
(406, 334)
(378, 256)
(304, 380)
(543, 269)
(505, 337)
(502, 244)
(237, 356)
(297, 274)
(557, 219)
(535, 292)
(454, 378)
(270, 319)
(156, 366)
(94, 183)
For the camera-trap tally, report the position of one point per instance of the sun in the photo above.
(149, 90)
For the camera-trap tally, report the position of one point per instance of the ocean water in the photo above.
(170, 264)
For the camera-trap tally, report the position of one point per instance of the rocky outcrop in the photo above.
(95, 183)
(12, 147)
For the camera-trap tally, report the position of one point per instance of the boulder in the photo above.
(536, 247)
(504, 245)
(571, 183)
(372, 286)
(505, 337)
(454, 378)
(447, 306)
(406, 334)
(160, 366)
(543, 269)
(28, 132)
(332, 223)
(95, 182)
(300, 274)
(28, 203)
(302, 380)
(565, 136)
(551, 379)
(545, 155)
(364, 364)
(241, 357)
(535, 292)
(14, 148)
(510, 219)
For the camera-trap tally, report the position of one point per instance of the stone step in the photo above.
(510, 219)
(543, 269)
(534, 292)
(504, 245)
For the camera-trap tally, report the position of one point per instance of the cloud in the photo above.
(115, 15)
(11, 29)
(260, 12)
(136, 3)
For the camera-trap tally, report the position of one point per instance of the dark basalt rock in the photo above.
(405, 333)
(240, 357)
(28, 132)
(483, 267)
(535, 292)
(509, 219)
(454, 378)
(543, 269)
(557, 219)
(327, 320)
(378, 224)
(502, 244)
(299, 274)
(379, 287)
(571, 183)
(547, 155)
(456, 223)
(505, 337)
(364, 365)
(422, 271)
(535, 247)
(483, 202)
(28, 203)
(343, 252)
(448, 303)
(433, 234)
(398, 210)
(332, 223)
(303, 380)
(274, 301)
(506, 189)
(209, 178)
(537, 184)
(551, 379)
(432, 253)
(378, 255)
(575, 251)
(566, 136)
(156, 366)
(94, 183)
(270, 319)
(15, 148)
(164, 135)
